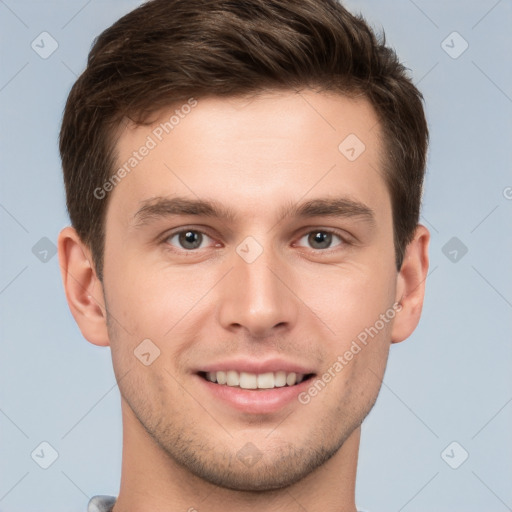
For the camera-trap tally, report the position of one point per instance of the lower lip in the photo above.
(256, 401)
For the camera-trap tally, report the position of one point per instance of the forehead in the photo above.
(253, 153)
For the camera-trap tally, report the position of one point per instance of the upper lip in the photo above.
(256, 366)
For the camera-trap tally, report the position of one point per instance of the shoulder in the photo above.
(101, 504)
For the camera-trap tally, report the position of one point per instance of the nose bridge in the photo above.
(256, 297)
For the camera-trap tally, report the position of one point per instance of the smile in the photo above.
(246, 380)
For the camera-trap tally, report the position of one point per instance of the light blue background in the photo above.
(451, 381)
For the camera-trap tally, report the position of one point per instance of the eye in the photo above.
(188, 239)
(321, 239)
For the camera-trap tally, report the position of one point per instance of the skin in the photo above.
(298, 300)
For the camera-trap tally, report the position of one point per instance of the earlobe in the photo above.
(84, 291)
(411, 285)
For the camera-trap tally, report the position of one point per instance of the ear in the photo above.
(410, 289)
(84, 291)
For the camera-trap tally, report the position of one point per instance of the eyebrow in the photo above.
(161, 207)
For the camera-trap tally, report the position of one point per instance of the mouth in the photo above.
(256, 381)
(254, 386)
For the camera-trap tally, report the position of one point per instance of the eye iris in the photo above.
(321, 238)
(190, 239)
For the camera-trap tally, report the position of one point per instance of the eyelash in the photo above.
(343, 240)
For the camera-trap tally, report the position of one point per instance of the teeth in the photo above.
(247, 380)
(280, 379)
(266, 380)
(291, 378)
(233, 378)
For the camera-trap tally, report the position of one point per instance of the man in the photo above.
(244, 184)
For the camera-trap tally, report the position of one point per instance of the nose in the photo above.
(258, 297)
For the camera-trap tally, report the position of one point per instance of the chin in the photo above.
(275, 469)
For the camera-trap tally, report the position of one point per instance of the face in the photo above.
(252, 248)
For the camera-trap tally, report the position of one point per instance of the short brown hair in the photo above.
(167, 51)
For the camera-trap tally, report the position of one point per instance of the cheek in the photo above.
(151, 304)
(347, 299)
(355, 370)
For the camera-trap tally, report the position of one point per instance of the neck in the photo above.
(153, 482)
